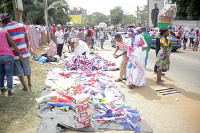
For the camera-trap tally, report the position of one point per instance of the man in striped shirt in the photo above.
(121, 44)
(19, 36)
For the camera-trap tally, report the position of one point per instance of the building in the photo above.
(78, 14)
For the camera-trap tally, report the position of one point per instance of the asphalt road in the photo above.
(184, 68)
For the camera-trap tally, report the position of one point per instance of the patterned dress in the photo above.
(135, 71)
(161, 58)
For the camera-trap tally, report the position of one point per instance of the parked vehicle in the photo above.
(113, 41)
(175, 43)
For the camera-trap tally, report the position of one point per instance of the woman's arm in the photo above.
(12, 43)
(165, 52)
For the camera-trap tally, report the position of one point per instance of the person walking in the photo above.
(121, 44)
(191, 35)
(7, 61)
(136, 53)
(102, 37)
(163, 60)
(80, 35)
(18, 34)
(196, 40)
(59, 38)
(185, 38)
(147, 38)
(95, 37)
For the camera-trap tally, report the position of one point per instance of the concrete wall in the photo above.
(189, 23)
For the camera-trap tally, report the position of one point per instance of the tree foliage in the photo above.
(143, 14)
(6, 6)
(117, 15)
(128, 19)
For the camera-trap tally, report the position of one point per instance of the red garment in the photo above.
(92, 32)
(54, 30)
(179, 33)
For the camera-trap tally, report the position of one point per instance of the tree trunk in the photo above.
(46, 21)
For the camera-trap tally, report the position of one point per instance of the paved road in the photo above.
(184, 68)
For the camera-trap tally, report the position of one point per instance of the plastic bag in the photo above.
(168, 13)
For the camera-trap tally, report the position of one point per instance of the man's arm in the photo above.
(26, 39)
(117, 48)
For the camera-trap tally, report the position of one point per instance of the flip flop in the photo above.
(13, 93)
(4, 92)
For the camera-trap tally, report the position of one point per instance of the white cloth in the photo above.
(81, 48)
(60, 37)
(101, 34)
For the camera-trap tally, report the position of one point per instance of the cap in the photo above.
(4, 16)
(59, 25)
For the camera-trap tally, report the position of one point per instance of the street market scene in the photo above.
(70, 66)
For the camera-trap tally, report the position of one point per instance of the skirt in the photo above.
(162, 60)
(89, 40)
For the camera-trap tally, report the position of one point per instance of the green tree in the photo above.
(143, 14)
(100, 17)
(128, 18)
(193, 11)
(116, 15)
(6, 6)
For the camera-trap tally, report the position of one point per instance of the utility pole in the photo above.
(46, 20)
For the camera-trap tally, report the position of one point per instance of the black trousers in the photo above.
(59, 49)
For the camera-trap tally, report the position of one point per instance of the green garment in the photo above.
(147, 38)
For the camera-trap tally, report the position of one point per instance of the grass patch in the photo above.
(19, 113)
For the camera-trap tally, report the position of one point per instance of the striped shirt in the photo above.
(16, 31)
(123, 44)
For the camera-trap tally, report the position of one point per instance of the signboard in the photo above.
(19, 5)
(154, 6)
(76, 19)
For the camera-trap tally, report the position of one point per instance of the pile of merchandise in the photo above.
(76, 89)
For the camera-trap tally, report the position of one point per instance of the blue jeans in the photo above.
(6, 69)
(184, 43)
(102, 41)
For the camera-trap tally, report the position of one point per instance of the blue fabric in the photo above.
(6, 69)
(146, 59)
(102, 40)
(130, 65)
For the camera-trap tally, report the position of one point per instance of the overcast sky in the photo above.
(104, 6)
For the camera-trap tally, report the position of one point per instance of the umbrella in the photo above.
(102, 25)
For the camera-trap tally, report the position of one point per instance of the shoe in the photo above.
(162, 74)
(124, 78)
(13, 93)
(118, 80)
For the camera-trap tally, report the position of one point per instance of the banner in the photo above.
(76, 19)
(154, 6)
(19, 5)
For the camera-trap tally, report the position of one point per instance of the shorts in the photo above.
(22, 68)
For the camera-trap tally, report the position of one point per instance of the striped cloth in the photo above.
(17, 30)
(122, 44)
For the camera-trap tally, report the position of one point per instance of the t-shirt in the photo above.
(123, 44)
(5, 49)
(164, 42)
(16, 31)
(101, 34)
(70, 34)
(147, 38)
(54, 30)
(60, 37)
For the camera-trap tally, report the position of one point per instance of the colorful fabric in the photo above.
(5, 49)
(123, 44)
(17, 30)
(135, 71)
(161, 58)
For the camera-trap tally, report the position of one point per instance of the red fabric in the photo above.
(54, 30)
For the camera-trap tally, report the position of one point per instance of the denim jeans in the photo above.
(184, 43)
(102, 41)
(6, 69)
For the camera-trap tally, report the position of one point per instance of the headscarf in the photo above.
(131, 30)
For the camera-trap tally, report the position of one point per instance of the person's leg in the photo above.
(158, 76)
(101, 43)
(2, 75)
(122, 69)
(58, 50)
(61, 49)
(27, 70)
(9, 73)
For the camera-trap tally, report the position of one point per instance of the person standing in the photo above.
(185, 38)
(147, 38)
(80, 35)
(136, 53)
(102, 37)
(163, 60)
(59, 38)
(196, 40)
(7, 61)
(154, 15)
(53, 32)
(18, 34)
(179, 33)
(96, 38)
(69, 35)
(121, 44)
(88, 37)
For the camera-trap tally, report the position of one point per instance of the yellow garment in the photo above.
(164, 42)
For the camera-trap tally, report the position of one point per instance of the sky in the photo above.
(104, 6)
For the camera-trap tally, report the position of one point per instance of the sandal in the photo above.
(13, 93)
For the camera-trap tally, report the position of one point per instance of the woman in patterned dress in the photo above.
(136, 54)
(163, 55)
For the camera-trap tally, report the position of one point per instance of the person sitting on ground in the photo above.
(163, 55)
(18, 33)
(7, 61)
(121, 44)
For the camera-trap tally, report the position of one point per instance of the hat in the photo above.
(131, 30)
(4, 16)
(59, 25)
